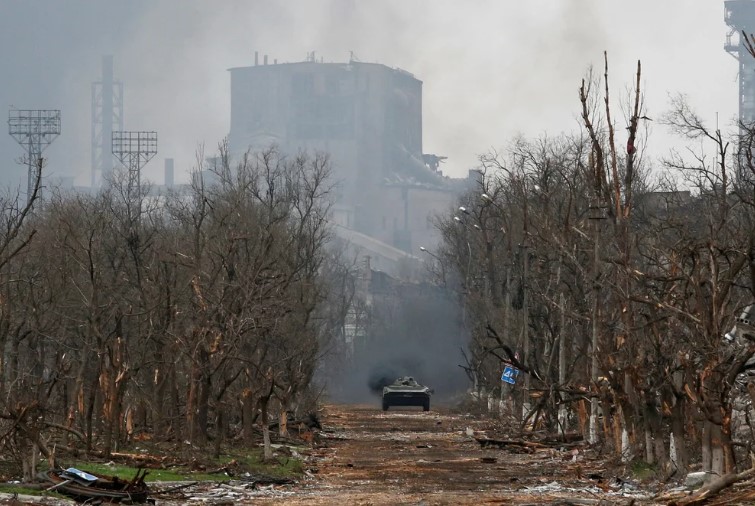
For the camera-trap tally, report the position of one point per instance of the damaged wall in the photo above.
(368, 117)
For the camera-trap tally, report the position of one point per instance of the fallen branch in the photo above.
(503, 443)
(174, 489)
(76, 433)
(569, 440)
(262, 479)
(221, 470)
(713, 488)
(576, 501)
(747, 497)
(142, 457)
(568, 437)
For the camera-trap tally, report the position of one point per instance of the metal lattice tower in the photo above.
(34, 129)
(740, 16)
(134, 150)
(107, 117)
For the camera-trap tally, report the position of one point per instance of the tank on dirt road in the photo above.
(405, 391)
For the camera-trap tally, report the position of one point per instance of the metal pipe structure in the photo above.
(107, 117)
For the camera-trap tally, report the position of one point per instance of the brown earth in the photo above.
(364, 456)
(406, 456)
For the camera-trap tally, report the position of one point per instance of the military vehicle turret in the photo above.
(405, 391)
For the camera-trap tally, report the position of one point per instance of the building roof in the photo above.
(345, 65)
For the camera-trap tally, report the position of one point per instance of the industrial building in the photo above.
(740, 17)
(368, 118)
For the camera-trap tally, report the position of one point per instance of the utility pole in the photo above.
(525, 304)
(526, 327)
(597, 214)
(562, 347)
(562, 416)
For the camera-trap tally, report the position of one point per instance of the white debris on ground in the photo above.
(623, 489)
(232, 492)
(33, 499)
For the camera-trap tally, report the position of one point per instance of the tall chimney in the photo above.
(169, 172)
(256, 58)
(265, 60)
(107, 116)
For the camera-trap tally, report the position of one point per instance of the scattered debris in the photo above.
(715, 487)
(175, 488)
(310, 421)
(695, 480)
(516, 446)
(83, 486)
(263, 479)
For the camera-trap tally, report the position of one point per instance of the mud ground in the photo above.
(365, 456)
(408, 457)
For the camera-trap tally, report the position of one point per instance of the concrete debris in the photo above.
(695, 480)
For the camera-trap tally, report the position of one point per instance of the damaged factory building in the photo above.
(368, 118)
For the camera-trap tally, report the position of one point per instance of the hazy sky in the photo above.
(490, 68)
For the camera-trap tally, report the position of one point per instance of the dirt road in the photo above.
(365, 456)
(409, 457)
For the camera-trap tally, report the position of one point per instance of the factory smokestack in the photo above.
(169, 180)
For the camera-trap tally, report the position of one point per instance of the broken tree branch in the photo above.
(714, 487)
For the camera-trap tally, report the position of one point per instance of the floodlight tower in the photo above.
(34, 129)
(107, 117)
(134, 150)
(740, 17)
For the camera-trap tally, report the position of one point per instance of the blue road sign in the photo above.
(509, 374)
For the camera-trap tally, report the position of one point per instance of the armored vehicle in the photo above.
(405, 391)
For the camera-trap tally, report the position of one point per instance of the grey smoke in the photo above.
(490, 69)
(418, 332)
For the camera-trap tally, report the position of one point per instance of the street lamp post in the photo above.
(437, 259)
(506, 298)
(469, 250)
(596, 215)
(525, 291)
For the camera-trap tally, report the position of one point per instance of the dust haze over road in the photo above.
(419, 334)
